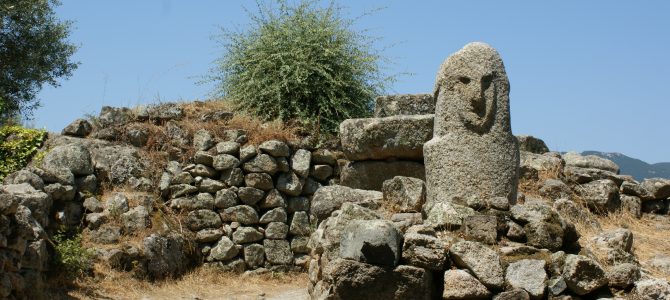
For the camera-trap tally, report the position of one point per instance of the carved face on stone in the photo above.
(472, 91)
(476, 96)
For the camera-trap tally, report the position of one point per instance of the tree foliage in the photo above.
(33, 51)
(301, 61)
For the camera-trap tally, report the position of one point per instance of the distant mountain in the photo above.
(635, 167)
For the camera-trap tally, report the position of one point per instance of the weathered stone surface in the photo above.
(555, 189)
(529, 275)
(652, 289)
(261, 163)
(370, 175)
(228, 147)
(299, 244)
(546, 163)
(117, 204)
(114, 116)
(516, 294)
(78, 128)
(460, 285)
(300, 162)
(201, 170)
(623, 275)
(544, 235)
(166, 255)
(276, 230)
(631, 204)
(660, 262)
(225, 198)
(481, 260)
(73, 157)
(532, 144)
(481, 228)
(326, 239)
(658, 188)
(290, 184)
(399, 137)
(590, 161)
(249, 195)
(208, 185)
(348, 279)
(300, 224)
(473, 152)
(223, 250)
(600, 195)
(254, 255)
(136, 219)
(425, 251)
(274, 215)
(321, 172)
(583, 275)
(25, 176)
(375, 242)
(278, 252)
(203, 140)
(244, 214)
(448, 215)
(208, 235)
(584, 175)
(329, 198)
(407, 194)
(275, 148)
(203, 218)
(621, 239)
(225, 162)
(244, 235)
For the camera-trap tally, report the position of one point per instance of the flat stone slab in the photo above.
(400, 137)
(370, 175)
(407, 104)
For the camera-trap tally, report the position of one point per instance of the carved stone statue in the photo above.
(473, 155)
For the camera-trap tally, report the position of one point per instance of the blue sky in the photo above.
(585, 75)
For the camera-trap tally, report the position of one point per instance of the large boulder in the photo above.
(583, 275)
(658, 188)
(425, 251)
(590, 161)
(167, 256)
(601, 195)
(532, 144)
(326, 239)
(484, 262)
(73, 157)
(375, 242)
(399, 137)
(529, 275)
(395, 105)
(406, 194)
(329, 198)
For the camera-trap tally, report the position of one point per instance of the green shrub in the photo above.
(17, 146)
(71, 256)
(300, 62)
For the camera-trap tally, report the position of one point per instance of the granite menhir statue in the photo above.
(473, 155)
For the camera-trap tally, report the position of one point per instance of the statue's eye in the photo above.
(486, 81)
(464, 80)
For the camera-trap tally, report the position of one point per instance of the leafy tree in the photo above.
(301, 61)
(33, 50)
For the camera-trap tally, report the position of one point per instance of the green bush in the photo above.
(17, 146)
(71, 256)
(300, 62)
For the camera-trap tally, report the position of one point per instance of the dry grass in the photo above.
(650, 235)
(203, 283)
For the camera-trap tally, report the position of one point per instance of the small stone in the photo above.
(278, 252)
(223, 250)
(296, 204)
(406, 193)
(583, 275)
(204, 158)
(208, 185)
(275, 148)
(321, 172)
(208, 235)
(374, 242)
(244, 235)
(260, 181)
(203, 140)
(254, 255)
(232, 177)
(276, 230)
(117, 204)
(273, 199)
(78, 128)
(623, 275)
(460, 285)
(481, 228)
(529, 275)
(225, 198)
(261, 163)
(136, 219)
(299, 244)
(289, 183)
(481, 260)
(250, 195)
(225, 162)
(300, 162)
(274, 215)
(203, 218)
(231, 148)
(92, 204)
(241, 213)
(300, 224)
(425, 251)
(202, 171)
(247, 152)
